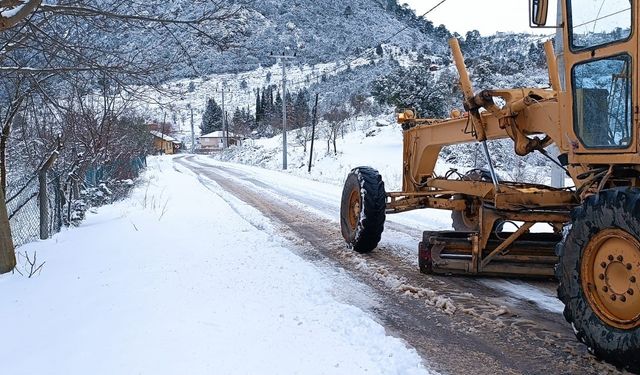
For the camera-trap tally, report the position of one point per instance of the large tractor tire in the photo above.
(599, 275)
(362, 210)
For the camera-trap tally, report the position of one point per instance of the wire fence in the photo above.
(66, 200)
(23, 207)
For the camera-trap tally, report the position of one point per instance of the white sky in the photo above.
(486, 16)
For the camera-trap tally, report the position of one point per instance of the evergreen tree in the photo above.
(301, 112)
(278, 102)
(259, 110)
(290, 111)
(348, 11)
(242, 122)
(536, 55)
(212, 118)
(379, 50)
(276, 116)
(392, 5)
(414, 87)
(472, 44)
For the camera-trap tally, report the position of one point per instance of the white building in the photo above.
(215, 141)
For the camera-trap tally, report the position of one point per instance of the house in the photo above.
(215, 141)
(164, 144)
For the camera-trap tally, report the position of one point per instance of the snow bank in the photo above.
(175, 281)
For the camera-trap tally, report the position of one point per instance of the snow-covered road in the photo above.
(509, 326)
(217, 268)
(175, 280)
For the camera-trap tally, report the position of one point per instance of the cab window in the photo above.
(602, 110)
(595, 23)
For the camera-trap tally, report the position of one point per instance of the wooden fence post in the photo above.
(43, 199)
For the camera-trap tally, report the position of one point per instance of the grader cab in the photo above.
(592, 245)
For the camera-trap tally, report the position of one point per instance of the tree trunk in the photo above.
(7, 251)
(335, 149)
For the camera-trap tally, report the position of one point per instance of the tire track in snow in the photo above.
(485, 331)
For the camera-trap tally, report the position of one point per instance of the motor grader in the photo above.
(590, 113)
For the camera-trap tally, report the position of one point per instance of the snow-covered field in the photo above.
(175, 281)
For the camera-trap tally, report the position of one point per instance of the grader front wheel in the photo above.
(599, 275)
(362, 210)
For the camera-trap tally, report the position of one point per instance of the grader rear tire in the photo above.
(599, 276)
(362, 210)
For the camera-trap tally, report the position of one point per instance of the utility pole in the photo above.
(193, 134)
(283, 59)
(162, 142)
(225, 130)
(313, 130)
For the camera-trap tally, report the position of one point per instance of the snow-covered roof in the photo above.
(220, 134)
(164, 137)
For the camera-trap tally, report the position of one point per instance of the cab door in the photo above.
(602, 72)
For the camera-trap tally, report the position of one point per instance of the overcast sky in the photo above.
(486, 16)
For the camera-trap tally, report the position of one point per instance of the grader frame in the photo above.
(592, 117)
(527, 111)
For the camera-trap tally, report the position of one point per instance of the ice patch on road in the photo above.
(545, 299)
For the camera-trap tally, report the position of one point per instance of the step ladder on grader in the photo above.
(591, 116)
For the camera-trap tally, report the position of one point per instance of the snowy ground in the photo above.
(175, 281)
(370, 141)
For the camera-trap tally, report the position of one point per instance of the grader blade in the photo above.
(452, 252)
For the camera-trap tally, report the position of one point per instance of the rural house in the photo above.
(164, 144)
(215, 141)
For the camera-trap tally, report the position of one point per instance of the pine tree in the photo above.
(379, 50)
(414, 87)
(348, 11)
(302, 115)
(259, 109)
(212, 118)
(392, 5)
(276, 120)
(290, 111)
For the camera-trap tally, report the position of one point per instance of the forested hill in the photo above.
(365, 40)
(319, 32)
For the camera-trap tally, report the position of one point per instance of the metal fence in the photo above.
(63, 198)
(24, 210)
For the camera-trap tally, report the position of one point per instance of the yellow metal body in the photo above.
(533, 118)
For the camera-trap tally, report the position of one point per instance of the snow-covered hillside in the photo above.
(377, 142)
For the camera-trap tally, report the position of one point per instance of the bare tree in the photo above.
(335, 121)
(69, 71)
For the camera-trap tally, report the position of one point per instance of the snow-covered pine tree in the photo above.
(259, 109)
(301, 112)
(212, 117)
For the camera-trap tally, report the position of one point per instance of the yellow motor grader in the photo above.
(591, 116)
